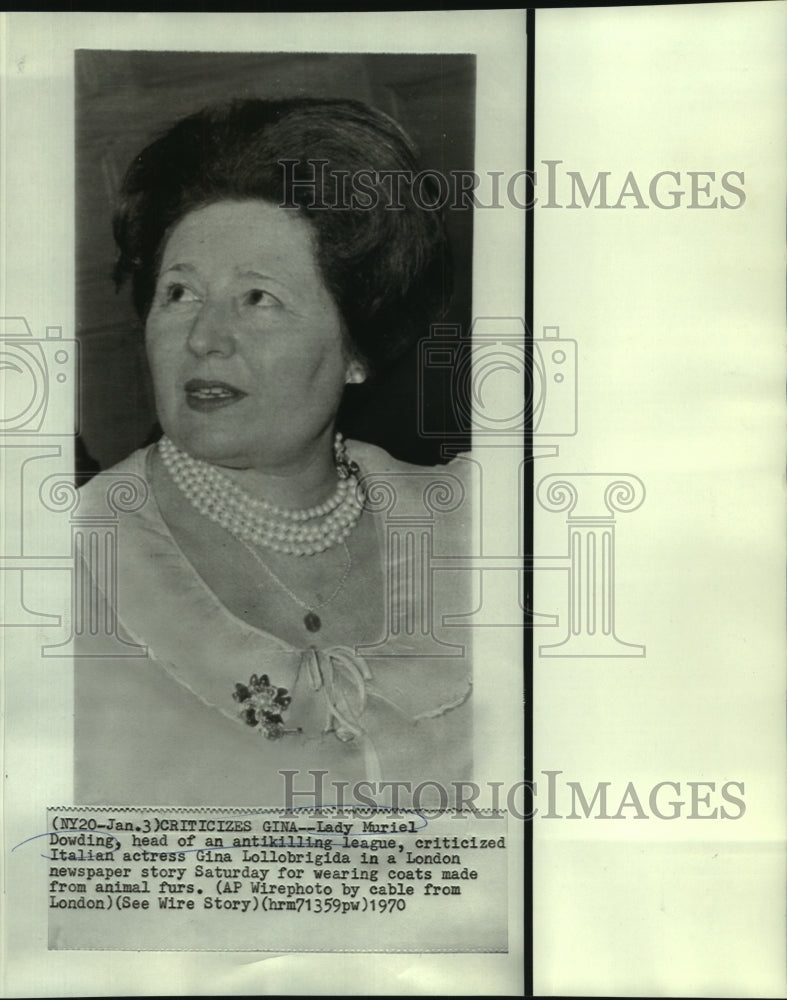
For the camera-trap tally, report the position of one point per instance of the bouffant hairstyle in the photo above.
(349, 169)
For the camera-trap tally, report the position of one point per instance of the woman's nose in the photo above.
(212, 331)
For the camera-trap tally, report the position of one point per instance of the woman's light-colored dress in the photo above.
(165, 727)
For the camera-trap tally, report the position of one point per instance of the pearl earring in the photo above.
(356, 375)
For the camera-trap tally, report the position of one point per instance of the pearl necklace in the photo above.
(294, 532)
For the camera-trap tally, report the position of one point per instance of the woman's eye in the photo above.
(259, 297)
(177, 292)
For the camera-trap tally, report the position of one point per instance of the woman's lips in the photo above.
(205, 395)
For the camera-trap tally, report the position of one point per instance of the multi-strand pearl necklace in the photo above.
(292, 532)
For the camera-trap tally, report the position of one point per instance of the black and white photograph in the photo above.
(274, 573)
(392, 475)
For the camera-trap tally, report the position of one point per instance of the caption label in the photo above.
(215, 880)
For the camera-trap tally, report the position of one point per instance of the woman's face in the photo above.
(245, 343)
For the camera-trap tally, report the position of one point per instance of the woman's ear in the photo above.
(356, 373)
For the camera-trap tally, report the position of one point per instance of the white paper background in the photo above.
(679, 321)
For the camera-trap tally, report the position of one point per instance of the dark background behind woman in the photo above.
(124, 98)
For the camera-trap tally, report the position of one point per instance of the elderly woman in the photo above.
(273, 263)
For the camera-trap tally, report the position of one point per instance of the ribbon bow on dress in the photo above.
(341, 675)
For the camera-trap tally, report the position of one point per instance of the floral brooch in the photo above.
(262, 705)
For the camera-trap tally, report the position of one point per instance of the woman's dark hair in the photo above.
(349, 169)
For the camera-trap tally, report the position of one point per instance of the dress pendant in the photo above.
(312, 622)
